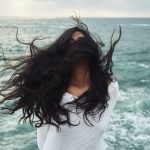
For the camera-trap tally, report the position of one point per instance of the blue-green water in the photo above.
(130, 123)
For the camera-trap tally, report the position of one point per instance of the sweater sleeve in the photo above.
(41, 135)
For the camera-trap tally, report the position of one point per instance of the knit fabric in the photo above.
(81, 137)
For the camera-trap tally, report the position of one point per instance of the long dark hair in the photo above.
(40, 79)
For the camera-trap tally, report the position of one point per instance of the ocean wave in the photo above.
(143, 65)
(141, 25)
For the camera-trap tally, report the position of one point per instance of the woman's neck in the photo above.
(80, 76)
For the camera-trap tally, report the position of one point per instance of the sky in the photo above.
(84, 8)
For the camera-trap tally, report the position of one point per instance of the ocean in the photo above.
(129, 127)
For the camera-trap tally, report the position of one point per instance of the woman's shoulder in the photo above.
(113, 83)
(114, 93)
(113, 88)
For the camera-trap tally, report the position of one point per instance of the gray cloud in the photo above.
(86, 7)
(135, 6)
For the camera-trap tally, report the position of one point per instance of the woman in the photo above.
(67, 89)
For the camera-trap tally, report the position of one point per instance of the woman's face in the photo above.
(75, 36)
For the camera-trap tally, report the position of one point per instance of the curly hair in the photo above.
(40, 79)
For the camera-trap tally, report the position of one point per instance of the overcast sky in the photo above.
(86, 8)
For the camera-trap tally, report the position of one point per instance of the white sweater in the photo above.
(81, 137)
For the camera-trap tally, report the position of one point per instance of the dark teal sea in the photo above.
(130, 122)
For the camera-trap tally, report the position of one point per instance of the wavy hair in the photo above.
(40, 79)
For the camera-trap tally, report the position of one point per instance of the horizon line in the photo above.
(57, 17)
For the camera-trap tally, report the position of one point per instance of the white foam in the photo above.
(144, 66)
(141, 25)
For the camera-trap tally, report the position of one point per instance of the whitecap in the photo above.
(143, 25)
(144, 66)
